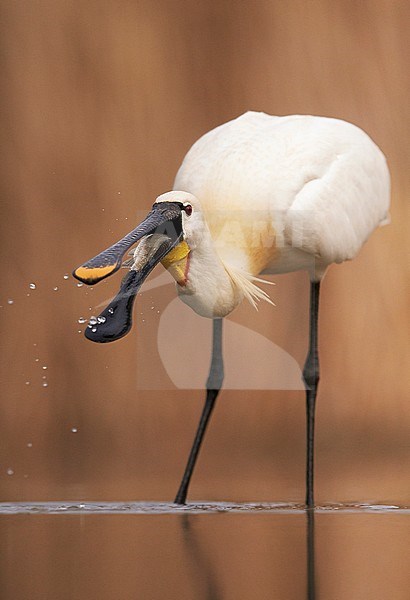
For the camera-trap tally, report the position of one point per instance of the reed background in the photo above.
(100, 102)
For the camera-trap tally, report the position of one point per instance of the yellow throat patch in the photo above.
(176, 262)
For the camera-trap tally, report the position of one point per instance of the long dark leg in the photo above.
(311, 378)
(213, 385)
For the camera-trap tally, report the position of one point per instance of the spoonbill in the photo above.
(259, 194)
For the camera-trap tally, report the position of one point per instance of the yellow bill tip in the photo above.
(93, 274)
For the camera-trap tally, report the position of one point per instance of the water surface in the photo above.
(213, 551)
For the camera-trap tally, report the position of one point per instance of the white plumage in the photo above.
(277, 194)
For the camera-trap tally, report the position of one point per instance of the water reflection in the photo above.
(203, 573)
(310, 553)
(214, 555)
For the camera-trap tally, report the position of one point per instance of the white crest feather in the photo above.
(245, 282)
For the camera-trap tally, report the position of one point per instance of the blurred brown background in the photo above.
(100, 102)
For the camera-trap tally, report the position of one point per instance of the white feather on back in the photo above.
(323, 183)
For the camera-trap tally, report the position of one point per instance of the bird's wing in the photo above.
(315, 183)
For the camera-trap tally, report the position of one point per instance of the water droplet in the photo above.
(93, 320)
(27, 295)
(44, 367)
(10, 301)
(111, 310)
(30, 445)
(32, 286)
(37, 359)
(74, 429)
(157, 312)
(101, 319)
(35, 344)
(143, 320)
(45, 384)
(79, 331)
(55, 288)
(44, 377)
(80, 284)
(82, 320)
(10, 472)
(93, 329)
(118, 192)
(152, 307)
(66, 276)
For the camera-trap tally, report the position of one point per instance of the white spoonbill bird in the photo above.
(259, 194)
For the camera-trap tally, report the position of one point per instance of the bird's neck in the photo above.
(209, 290)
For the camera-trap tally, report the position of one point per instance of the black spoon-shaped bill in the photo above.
(115, 321)
(165, 217)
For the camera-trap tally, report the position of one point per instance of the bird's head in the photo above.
(165, 236)
(192, 227)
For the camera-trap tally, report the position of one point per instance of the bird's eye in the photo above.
(188, 209)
